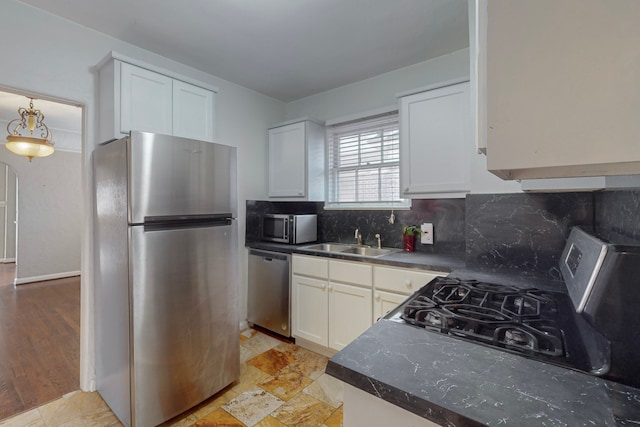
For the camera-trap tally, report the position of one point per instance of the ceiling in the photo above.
(287, 49)
(56, 116)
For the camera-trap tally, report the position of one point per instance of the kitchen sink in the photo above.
(372, 252)
(347, 249)
(328, 247)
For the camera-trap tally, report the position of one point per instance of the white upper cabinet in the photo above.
(296, 161)
(145, 100)
(435, 142)
(193, 113)
(138, 96)
(558, 92)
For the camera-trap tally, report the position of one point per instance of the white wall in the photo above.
(50, 205)
(57, 60)
(49, 215)
(380, 91)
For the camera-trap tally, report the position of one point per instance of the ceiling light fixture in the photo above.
(23, 144)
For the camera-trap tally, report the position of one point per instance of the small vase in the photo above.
(409, 242)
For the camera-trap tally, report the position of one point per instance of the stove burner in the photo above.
(521, 305)
(517, 337)
(434, 319)
(520, 320)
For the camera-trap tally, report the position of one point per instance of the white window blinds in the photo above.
(364, 163)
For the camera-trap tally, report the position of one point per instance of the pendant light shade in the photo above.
(28, 135)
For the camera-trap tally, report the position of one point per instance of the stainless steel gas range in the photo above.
(594, 327)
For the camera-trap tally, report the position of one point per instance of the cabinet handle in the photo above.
(377, 296)
(323, 286)
(330, 287)
(408, 284)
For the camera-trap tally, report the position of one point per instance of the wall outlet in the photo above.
(426, 238)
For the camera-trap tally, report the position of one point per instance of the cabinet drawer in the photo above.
(401, 280)
(357, 273)
(311, 266)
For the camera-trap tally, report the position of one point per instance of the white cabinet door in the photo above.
(435, 141)
(384, 302)
(145, 101)
(349, 313)
(287, 161)
(560, 94)
(310, 310)
(193, 114)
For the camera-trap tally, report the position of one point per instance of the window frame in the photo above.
(360, 126)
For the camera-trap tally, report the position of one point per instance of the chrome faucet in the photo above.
(358, 236)
(379, 241)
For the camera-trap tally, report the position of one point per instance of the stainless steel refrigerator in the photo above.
(166, 294)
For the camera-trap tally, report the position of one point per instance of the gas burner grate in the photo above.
(520, 320)
(521, 305)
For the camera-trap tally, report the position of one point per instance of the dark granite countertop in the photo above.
(427, 261)
(458, 383)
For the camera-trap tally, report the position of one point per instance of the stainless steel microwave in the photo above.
(291, 229)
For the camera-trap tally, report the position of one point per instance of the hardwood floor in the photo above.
(39, 341)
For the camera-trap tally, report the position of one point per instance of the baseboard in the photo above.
(25, 280)
(244, 325)
(316, 348)
(7, 260)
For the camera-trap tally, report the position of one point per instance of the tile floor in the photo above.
(280, 384)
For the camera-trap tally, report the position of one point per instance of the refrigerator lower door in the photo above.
(185, 325)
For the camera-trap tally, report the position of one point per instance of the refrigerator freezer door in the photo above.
(185, 318)
(178, 176)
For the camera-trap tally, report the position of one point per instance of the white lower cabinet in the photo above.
(384, 302)
(310, 310)
(331, 302)
(349, 313)
(309, 303)
(393, 285)
(334, 301)
(349, 301)
(364, 409)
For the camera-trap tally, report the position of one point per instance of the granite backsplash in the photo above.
(523, 232)
(446, 215)
(520, 232)
(617, 216)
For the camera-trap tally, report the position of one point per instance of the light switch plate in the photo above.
(426, 238)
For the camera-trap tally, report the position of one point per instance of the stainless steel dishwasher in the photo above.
(269, 291)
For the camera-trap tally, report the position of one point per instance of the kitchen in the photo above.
(242, 115)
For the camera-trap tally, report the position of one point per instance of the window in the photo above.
(364, 163)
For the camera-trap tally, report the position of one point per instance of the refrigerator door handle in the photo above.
(190, 218)
(186, 221)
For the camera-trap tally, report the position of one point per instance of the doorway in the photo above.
(50, 204)
(40, 306)
(8, 214)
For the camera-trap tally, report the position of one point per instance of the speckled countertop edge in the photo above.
(457, 383)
